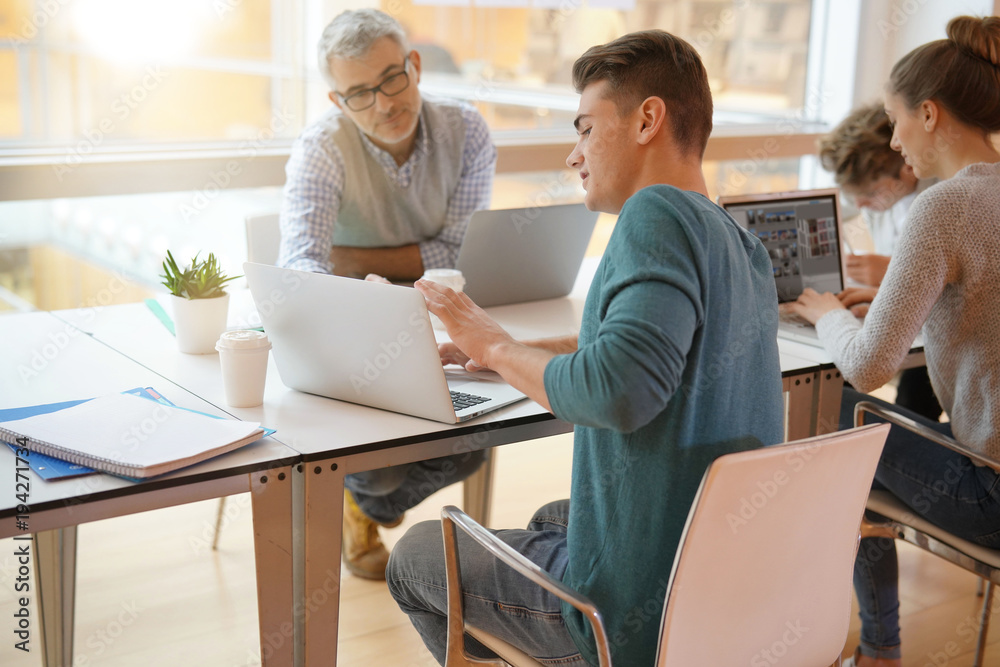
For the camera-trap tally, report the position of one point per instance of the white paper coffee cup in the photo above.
(451, 278)
(243, 355)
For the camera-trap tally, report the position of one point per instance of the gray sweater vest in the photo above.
(375, 211)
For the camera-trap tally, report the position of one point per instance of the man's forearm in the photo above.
(399, 263)
(557, 345)
(523, 367)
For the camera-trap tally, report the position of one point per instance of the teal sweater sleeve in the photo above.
(649, 309)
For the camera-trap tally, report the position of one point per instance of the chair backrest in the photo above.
(263, 238)
(763, 572)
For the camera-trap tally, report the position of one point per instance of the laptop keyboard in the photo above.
(462, 401)
(788, 316)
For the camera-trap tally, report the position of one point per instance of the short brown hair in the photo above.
(654, 63)
(857, 151)
(962, 73)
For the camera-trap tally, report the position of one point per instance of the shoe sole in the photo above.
(364, 574)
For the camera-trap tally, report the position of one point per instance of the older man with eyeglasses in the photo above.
(383, 183)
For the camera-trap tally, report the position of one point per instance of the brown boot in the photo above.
(364, 554)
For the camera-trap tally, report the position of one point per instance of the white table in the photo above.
(336, 438)
(44, 360)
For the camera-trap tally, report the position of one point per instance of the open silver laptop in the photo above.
(525, 254)
(802, 233)
(366, 343)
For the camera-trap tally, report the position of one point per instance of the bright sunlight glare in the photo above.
(131, 31)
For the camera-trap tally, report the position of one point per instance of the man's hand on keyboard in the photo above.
(473, 332)
(451, 354)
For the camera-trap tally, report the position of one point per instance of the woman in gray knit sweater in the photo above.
(943, 99)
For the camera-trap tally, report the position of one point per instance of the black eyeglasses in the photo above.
(392, 85)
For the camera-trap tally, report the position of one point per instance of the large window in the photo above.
(130, 127)
(82, 76)
(91, 74)
(517, 61)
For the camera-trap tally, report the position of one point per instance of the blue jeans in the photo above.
(939, 485)
(386, 493)
(497, 599)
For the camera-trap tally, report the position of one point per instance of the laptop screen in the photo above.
(801, 232)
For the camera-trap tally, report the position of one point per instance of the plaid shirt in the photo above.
(315, 184)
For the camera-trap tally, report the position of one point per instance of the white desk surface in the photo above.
(320, 427)
(44, 360)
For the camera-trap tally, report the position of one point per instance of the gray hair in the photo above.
(352, 33)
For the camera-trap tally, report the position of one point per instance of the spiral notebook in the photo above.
(130, 436)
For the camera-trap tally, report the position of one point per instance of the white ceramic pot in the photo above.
(198, 323)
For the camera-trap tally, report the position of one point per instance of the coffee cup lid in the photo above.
(243, 339)
(442, 273)
(452, 278)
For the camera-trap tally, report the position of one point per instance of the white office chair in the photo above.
(889, 517)
(263, 238)
(263, 242)
(735, 587)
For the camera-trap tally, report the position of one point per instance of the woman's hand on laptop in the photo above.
(472, 331)
(812, 305)
(867, 269)
(858, 299)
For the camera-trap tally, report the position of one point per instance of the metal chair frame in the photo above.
(897, 527)
(453, 519)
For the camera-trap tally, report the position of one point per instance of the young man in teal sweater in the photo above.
(676, 363)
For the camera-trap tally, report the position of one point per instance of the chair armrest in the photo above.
(451, 517)
(924, 431)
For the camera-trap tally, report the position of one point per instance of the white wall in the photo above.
(892, 28)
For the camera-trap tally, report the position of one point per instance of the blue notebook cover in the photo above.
(49, 468)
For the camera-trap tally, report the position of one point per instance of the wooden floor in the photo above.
(152, 593)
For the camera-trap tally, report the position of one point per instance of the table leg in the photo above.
(477, 491)
(55, 568)
(324, 516)
(830, 389)
(800, 406)
(272, 493)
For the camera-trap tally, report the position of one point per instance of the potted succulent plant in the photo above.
(200, 302)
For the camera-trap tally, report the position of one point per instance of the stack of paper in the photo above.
(130, 436)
